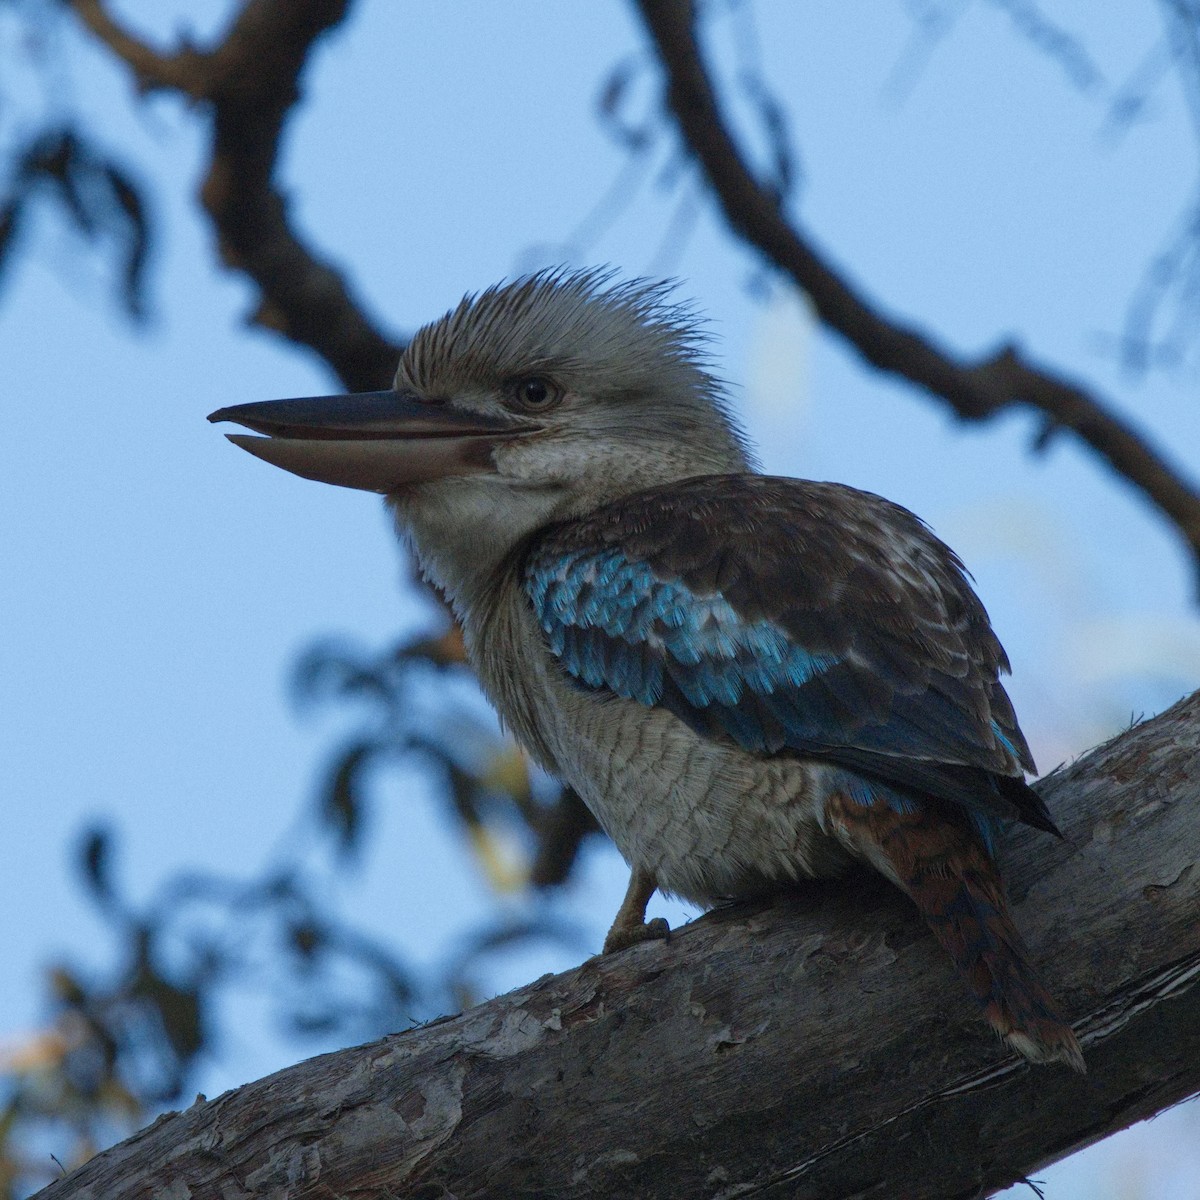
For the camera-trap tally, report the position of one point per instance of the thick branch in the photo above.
(818, 1047)
(250, 80)
(974, 391)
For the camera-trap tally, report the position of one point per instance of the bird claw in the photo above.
(621, 937)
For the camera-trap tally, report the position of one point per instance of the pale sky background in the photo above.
(158, 584)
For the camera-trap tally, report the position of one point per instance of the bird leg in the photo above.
(631, 926)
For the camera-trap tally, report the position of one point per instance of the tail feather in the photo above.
(942, 864)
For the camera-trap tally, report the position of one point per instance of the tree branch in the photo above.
(820, 1046)
(187, 70)
(974, 391)
(250, 81)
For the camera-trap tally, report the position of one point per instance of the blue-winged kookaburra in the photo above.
(749, 680)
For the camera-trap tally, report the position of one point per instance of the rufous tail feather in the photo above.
(942, 864)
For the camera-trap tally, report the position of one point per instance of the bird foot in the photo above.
(622, 936)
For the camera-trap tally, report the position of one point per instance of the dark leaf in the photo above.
(137, 239)
(10, 213)
(306, 938)
(773, 119)
(341, 806)
(101, 199)
(508, 934)
(313, 1024)
(465, 792)
(563, 827)
(179, 1009)
(60, 160)
(333, 670)
(95, 862)
(66, 987)
(635, 135)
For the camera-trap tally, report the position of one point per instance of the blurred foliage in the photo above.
(99, 197)
(415, 712)
(121, 1044)
(51, 160)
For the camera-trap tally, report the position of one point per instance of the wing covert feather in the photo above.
(790, 616)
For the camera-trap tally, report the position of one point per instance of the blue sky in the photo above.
(159, 584)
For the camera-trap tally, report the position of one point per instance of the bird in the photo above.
(749, 680)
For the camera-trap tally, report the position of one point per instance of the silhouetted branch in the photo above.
(249, 79)
(187, 70)
(973, 390)
(817, 1047)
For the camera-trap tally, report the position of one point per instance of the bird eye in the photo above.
(536, 394)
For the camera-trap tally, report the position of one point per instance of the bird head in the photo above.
(532, 401)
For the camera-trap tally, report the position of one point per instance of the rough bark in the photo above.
(816, 1047)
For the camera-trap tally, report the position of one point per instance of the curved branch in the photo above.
(250, 81)
(187, 70)
(816, 1047)
(974, 390)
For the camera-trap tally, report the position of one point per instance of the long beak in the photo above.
(375, 441)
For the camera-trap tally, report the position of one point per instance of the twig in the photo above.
(250, 79)
(187, 70)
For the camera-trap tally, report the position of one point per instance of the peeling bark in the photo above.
(819, 1046)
